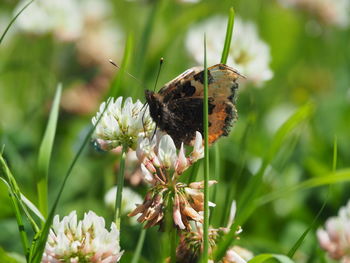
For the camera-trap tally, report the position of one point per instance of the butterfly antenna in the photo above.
(130, 75)
(160, 67)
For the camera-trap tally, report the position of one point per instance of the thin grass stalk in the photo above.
(13, 20)
(205, 255)
(21, 229)
(228, 38)
(15, 203)
(120, 185)
(136, 256)
(14, 189)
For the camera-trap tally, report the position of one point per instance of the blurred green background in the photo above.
(310, 60)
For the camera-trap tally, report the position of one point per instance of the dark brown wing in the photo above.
(182, 118)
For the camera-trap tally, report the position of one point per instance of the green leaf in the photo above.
(228, 38)
(264, 257)
(45, 153)
(13, 20)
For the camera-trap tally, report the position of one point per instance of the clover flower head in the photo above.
(335, 238)
(249, 54)
(121, 123)
(162, 165)
(87, 240)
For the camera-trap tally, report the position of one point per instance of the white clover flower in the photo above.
(61, 17)
(162, 166)
(129, 201)
(88, 240)
(330, 12)
(121, 123)
(162, 154)
(335, 238)
(248, 54)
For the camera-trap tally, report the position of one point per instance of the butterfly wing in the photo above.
(183, 98)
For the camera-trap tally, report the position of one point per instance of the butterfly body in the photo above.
(177, 108)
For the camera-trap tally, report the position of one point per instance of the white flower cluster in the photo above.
(121, 124)
(249, 55)
(62, 17)
(87, 22)
(160, 153)
(84, 241)
(330, 12)
(335, 238)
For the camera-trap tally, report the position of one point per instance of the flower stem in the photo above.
(206, 160)
(118, 198)
(139, 246)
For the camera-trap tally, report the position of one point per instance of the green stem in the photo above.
(170, 226)
(136, 257)
(21, 229)
(120, 185)
(206, 161)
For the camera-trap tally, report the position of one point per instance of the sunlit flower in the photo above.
(121, 123)
(87, 240)
(335, 238)
(62, 17)
(162, 166)
(249, 55)
(330, 12)
(129, 202)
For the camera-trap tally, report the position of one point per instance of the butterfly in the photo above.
(177, 108)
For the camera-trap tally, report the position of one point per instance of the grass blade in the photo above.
(303, 236)
(136, 256)
(13, 20)
(206, 160)
(45, 153)
(228, 38)
(5, 171)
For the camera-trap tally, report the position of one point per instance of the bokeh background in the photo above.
(301, 59)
